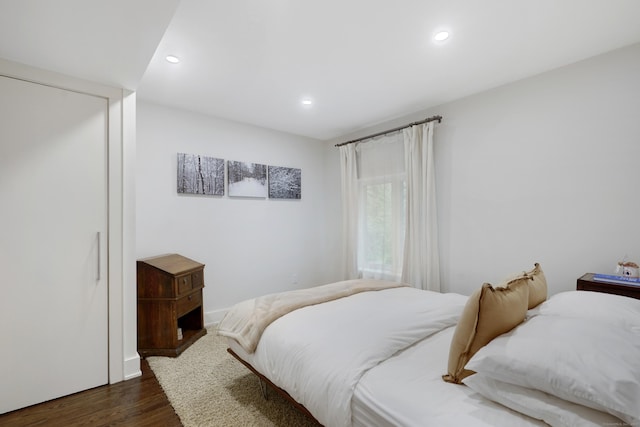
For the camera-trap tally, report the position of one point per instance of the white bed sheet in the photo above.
(408, 390)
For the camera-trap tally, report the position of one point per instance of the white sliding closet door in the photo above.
(53, 243)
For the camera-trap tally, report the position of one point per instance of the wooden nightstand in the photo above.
(169, 297)
(586, 283)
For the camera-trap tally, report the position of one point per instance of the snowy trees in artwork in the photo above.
(205, 175)
(247, 179)
(200, 175)
(284, 183)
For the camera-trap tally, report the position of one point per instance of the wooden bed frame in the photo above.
(264, 382)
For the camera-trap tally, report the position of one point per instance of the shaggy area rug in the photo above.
(208, 387)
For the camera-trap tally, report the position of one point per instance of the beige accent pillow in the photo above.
(537, 286)
(489, 312)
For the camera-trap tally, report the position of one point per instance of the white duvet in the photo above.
(323, 376)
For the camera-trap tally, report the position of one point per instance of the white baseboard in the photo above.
(212, 318)
(132, 367)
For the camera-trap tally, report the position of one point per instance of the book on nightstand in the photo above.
(624, 280)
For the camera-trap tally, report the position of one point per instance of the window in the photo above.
(381, 208)
(382, 227)
(378, 178)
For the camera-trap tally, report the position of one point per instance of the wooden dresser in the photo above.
(169, 298)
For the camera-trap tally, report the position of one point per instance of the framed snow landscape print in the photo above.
(200, 175)
(247, 179)
(285, 183)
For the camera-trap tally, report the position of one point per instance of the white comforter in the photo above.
(323, 377)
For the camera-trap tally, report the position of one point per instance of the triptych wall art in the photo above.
(206, 175)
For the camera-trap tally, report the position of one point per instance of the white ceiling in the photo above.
(106, 41)
(362, 61)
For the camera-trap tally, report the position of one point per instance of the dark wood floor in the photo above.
(136, 402)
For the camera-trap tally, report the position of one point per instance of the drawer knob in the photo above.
(190, 296)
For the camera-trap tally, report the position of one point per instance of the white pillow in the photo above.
(585, 361)
(610, 308)
(539, 405)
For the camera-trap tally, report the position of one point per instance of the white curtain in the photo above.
(421, 266)
(349, 175)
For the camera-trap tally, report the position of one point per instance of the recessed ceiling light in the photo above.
(172, 59)
(441, 36)
(307, 102)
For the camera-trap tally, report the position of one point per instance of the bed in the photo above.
(374, 353)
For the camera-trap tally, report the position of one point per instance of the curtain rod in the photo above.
(384, 132)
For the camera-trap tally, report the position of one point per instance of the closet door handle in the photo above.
(98, 269)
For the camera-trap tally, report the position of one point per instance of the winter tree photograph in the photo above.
(200, 175)
(285, 183)
(247, 179)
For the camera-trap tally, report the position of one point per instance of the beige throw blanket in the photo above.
(246, 321)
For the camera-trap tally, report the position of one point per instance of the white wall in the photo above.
(250, 246)
(541, 170)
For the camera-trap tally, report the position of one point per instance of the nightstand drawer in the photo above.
(188, 282)
(197, 279)
(188, 303)
(184, 284)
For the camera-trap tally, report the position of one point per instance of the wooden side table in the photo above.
(586, 283)
(169, 298)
